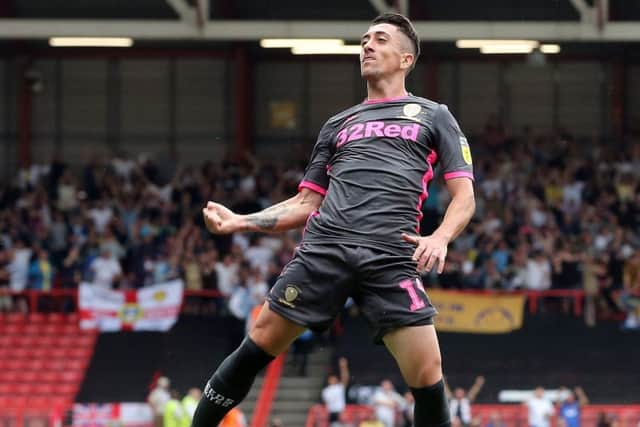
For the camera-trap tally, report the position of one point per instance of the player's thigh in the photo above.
(274, 333)
(417, 353)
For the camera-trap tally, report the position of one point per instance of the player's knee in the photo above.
(429, 372)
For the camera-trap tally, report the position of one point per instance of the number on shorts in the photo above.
(416, 302)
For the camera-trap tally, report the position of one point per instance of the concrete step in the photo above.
(286, 406)
(291, 419)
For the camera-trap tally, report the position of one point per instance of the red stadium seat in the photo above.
(26, 341)
(9, 376)
(15, 318)
(75, 364)
(66, 389)
(84, 341)
(39, 402)
(5, 342)
(71, 377)
(32, 329)
(30, 376)
(54, 365)
(14, 329)
(60, 402)
(73, 318)
(16, 402)
(70, 329)
(47, 376)
(21, 388)
(79, 353)
(44, 389)
(66, 341)
(56, 318)
(5, 388)
(21, 353)
(57, 353)
(53, 329)
(34, 364)
(36, 318)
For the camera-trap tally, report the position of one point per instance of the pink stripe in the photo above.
(311, 186)
(431, 159)
(459, 174)
(379, 100)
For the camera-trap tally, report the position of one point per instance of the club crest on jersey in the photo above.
(411, 110)
(291, 293)
(466, 151)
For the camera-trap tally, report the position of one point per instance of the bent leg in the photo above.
(417, 353)
(231, 382)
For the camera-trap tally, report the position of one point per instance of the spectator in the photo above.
(387, 402)
(190, 402)
(538, 277)
(540, 409)
(158, 399)
(174, 414)
(495, 420)
(334, 394)
(106, 270)
(630, 298)
(407, 409)
(569, 409)
(460, 401)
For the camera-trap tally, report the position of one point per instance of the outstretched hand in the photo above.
(219, 219)
(429, 249)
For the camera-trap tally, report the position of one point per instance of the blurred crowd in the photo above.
(552, 213)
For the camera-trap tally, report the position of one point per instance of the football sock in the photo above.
(230, 383)
(431, 408)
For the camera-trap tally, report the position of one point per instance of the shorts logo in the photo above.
(466, 151)
(411, 110)
(291, 293)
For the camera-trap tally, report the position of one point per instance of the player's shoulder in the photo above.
(339, 117)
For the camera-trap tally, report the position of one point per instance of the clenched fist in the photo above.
(219, 219)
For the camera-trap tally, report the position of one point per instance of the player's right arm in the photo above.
(289, 214)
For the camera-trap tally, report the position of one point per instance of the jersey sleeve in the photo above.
(452, 148)
(316, 177)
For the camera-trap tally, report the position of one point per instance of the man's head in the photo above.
(539, 392)
(459, 393)
(387, 385)
(333, 379)
(389, 46)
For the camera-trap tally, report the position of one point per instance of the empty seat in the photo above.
(14, 328)
(66, 389)
(56, 318)
(79, 353)
(31, 376)
(66, 341)
(47, 341)
(32, 329)
(52, 329)
(39, 402)
(15, 318)
(57, 352)
(44, 389)
(71, 376)
(21, 388)
(73, 318)
(36, 318)
(9, 376)
(54, 365)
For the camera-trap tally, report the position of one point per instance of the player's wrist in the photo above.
(443, 235)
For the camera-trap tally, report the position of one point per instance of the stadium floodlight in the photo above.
(479, 43)
(280, 43)
(327, 50)
(90, 42)
(506, 48)
(550, 48)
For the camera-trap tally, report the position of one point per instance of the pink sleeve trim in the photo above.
(459, 174)
(313, 187)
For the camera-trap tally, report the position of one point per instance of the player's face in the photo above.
(384, 52)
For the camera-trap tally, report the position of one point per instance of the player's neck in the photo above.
(377, 90)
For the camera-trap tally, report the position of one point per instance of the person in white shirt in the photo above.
(538, 272)
(540, 409)
(158, 399)
(460, 401)
(386, 402)
(106, 269)
(227, 271)
(334, 394)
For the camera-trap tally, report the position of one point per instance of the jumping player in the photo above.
(361, 199)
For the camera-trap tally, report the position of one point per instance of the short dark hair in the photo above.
(405, 26)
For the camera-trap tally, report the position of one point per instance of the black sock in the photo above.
(230, 383)
(431, 408)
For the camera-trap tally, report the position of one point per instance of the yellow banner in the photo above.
(477, 313)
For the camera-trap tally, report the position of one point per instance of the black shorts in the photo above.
(313, 288)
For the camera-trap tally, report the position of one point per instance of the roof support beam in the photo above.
(238, 30)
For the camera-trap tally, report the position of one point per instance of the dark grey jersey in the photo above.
(373, 163)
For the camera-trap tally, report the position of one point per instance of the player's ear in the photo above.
(407, 60)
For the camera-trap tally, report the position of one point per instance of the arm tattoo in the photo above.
(268, 218)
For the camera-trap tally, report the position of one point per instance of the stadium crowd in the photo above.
(552, 212)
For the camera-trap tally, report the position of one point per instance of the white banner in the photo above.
(153, 308)
(110, 414)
